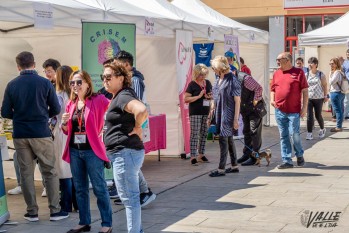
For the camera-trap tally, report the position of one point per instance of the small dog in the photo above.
(265, 154)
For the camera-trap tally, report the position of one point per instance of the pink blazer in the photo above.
(94, 120)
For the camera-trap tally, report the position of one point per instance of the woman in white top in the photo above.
(317, 96)
(62, 167)
(337, 97)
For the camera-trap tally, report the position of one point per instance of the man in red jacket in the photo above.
(244, 67)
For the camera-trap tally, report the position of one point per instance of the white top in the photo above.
(315, 87)
(335, 79)
(62, 167)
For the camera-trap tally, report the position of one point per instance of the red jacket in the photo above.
(245, 69)
(96, 106)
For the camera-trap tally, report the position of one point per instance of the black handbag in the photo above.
(261, 109)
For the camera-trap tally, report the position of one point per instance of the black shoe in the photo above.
(194, 162)
(147, 198)
(81, 229)
(232, 170)
(249, 162)
(113, 193)
(59, 216)
(300, 161)
(243, 158)
(285, 166)
(117, 201)
(216, 174)
(31, 217)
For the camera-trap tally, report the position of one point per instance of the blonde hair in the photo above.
(198, 70)
(220, 64)
(337, 63)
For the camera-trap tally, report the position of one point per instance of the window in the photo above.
(313, 22)
(330, 18)
(294, 25)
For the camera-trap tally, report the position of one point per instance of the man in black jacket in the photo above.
(251, 94)
(30, 100)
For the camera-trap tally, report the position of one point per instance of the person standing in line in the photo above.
(317, 96)
(30, 100)
(85, 151)
(226, 95)
(137, 84)
(244, 67)
(288, 87)
(345, 68)
(198, 95)
(50, 68)
(336, 95)
(234, 66)
(251, 94)
(60, 139)
(123, 140)
(300, 65)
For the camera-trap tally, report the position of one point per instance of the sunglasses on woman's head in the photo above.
(106, 77)
(75, 83)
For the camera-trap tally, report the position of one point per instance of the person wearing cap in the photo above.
(234, 66)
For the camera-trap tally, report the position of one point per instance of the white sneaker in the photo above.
(309, 136)
(15, 191)
(44, 193)
(322, 133)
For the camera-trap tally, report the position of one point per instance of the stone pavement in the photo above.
(258, 199)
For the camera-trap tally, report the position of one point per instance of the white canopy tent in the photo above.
(326, 42)
(155, 55)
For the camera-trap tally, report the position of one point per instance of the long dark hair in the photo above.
(62, 79)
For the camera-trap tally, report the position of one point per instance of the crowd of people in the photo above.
(73, 132)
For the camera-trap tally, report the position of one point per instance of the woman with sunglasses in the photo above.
(336, 95)
(317, 96)
(123, 140)
(85, 151)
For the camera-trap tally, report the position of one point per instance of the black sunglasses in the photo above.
(106, 77)
(75, 83)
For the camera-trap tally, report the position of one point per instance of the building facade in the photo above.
(284, 19)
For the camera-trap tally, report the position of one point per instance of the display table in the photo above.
(157, 125)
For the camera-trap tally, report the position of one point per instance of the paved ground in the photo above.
(258, 199)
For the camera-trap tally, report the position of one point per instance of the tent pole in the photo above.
(15, 29)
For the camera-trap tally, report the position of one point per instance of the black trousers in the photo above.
(227, 144)
(252, 133)
(314, 105)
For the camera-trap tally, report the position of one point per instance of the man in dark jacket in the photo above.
(251, 94)
(30, 100)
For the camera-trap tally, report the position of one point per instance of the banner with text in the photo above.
(231, 43)
(184, 64)
(295, 4)
(101, 42)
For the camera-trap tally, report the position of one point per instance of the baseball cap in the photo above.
(229, 54)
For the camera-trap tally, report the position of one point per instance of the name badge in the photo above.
(206, 103)
(79, 138)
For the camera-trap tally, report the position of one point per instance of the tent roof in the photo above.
(333, 33)
(198, 8)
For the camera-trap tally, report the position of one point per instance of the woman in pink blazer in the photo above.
(85, 151)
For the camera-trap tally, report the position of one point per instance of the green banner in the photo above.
(102, 41)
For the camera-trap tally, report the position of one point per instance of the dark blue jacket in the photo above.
(30, 100)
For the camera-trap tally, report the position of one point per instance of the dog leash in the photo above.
(257, 154)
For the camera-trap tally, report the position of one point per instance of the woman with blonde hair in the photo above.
(226, 95)
(198, 96)
(336, 95)
(85, 151)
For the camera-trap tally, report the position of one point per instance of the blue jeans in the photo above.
(126, 167)
(346, 105)
(287, 122)
(337, 99)
(85, 164)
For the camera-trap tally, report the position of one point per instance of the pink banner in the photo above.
(184, 64)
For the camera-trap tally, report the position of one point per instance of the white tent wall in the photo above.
(155, 59)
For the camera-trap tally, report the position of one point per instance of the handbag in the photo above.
(261, 109)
